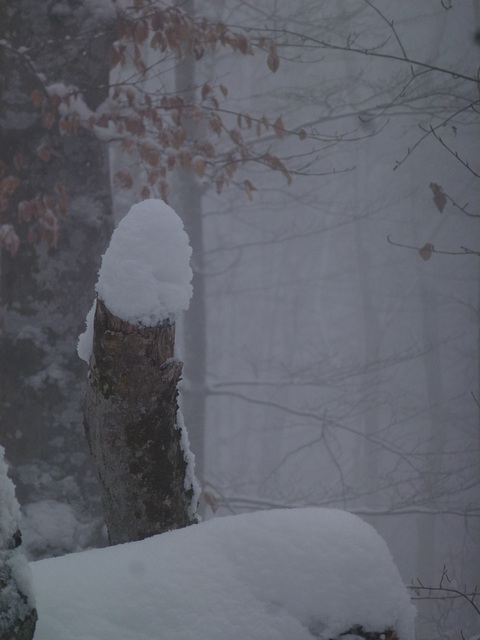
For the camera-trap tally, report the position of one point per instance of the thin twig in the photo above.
(465, 251)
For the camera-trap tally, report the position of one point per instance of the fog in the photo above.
(331, 348)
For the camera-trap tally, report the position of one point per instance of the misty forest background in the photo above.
(332, 347)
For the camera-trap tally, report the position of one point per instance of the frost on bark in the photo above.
(18, 615)
(132, 429)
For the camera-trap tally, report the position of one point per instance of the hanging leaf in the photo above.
(9, 185)
(140, 32)
(236, 137)
(37, 98)
(198, 164)
(242, 44)
(150, 155)
(279, 129)
(215, 124)
(54, 101)
(224, 90)
(439, 197)
(123, 179)
(273, 61)
(426, 251)
(44, 153)
(19, 161)
(145, 193)
(60, 189)
(302, 134)
(249, 188)
(206, 89)
(157, 20)
(158, 41)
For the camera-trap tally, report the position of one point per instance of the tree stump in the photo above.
(131, 425)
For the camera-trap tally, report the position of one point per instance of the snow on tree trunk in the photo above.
(18, 615)
(132, 423)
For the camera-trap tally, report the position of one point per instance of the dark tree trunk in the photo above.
(132, 429)
(45, 293)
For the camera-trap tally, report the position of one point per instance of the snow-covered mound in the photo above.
(145, 276)
(277, 575)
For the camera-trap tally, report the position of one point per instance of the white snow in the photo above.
(277, 575)
(9, 507)
(191, 481)
(145, 276)
(85, 339)
(16, 592)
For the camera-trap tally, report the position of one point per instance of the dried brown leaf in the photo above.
(439, 197)
(279, 129)
(9, 185)
(273, 61)
(44, 153)
(140, 32)
(199, 165)
(236, 137)
(19, 161)
(145, 193)
(242, 43)
(426, 251)
(123, 179)
(158, 41)
(37, 98)
(248, 186)
(215, 124)
(206, 90)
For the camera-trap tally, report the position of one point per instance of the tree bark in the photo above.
(132, 428)
(45, 293)
(188, 201)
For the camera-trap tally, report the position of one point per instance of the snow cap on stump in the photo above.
(145, 277)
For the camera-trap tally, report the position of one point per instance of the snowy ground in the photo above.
(276, 575)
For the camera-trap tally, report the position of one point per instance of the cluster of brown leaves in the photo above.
(172, 29)
(38, 216)
(156, 127)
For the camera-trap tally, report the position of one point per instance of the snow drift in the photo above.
(276, 575)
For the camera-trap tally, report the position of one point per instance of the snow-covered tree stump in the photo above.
(132, 422)
(18, 615)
